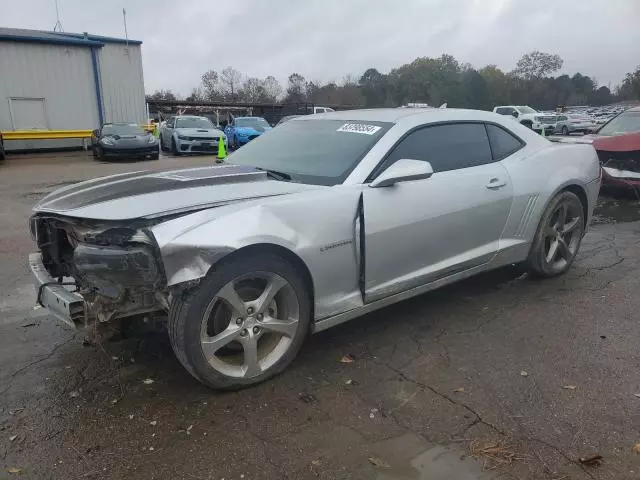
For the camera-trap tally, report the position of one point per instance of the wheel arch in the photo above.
(280, 251)
(581, 193)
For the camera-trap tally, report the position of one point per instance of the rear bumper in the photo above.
(63, 304)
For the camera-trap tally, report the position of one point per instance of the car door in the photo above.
(419, 231)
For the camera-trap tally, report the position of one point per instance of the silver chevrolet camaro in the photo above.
(319, 221)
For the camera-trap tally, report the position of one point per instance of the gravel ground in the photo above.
(499, 376)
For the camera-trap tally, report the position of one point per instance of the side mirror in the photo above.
(515, 114)
(403, 170)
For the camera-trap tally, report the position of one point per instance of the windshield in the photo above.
(526, 110)
(318, 152)
(194, 122)
(628, 122)
(122, 129)
(252, 122)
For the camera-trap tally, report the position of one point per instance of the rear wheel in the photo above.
(558, 237)
(565, 130)
(155, 156)
(245, 322)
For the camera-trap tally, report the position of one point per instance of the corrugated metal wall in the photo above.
(61, 75)
(122, 83)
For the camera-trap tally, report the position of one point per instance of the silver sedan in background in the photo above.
(326, 218)
(575, 123)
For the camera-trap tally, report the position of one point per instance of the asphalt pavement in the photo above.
(500, 376)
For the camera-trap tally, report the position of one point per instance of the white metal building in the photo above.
(67, 81)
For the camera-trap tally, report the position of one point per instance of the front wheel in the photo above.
(174, 148)
(244, 323)
(558, 237)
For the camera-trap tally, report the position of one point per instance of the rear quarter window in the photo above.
(503, 143)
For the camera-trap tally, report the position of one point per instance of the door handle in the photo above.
(496, 183)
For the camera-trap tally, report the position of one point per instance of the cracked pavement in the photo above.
(491, 360)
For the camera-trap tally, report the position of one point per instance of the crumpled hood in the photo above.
(147, 194)
(199, 132)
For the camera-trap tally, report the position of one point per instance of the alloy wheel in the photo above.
(562, 235)
(250, 324)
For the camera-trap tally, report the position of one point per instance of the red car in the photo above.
(618, 145)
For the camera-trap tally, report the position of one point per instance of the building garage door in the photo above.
(28, 113)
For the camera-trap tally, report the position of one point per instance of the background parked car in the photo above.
(242, 130)
(572, 123)
(188, 133)
(529, 117)
(123, 140)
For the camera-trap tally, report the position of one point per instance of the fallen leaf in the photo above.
(74, 394)
(153, 423)
(28, 324)
(189, 429)
(317, 463)
(348, 358)
(459, 390)
(12, 438)
(14, 470)
(636, 395)
(636, 447)
(148, 381)
(377, 462)
(569, 387)
(351, 382)
(524, 373)
(131, 417)
(591, 460)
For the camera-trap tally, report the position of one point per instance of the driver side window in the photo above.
(446, 147)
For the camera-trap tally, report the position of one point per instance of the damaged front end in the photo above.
(620, 159)
(95, 272)
(620, 169)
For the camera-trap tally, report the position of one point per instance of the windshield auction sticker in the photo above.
(359, 128)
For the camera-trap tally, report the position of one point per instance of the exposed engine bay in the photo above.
(114, 267)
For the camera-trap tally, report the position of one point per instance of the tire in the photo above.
(174, 148)
(200, 318)
(565, 130)
(155, 156)
(162, 147)
(99, 153)
(563, 230)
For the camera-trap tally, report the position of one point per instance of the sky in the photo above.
(326, 39)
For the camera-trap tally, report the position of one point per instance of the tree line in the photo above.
(427, 80)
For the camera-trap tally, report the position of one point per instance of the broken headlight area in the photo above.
(115, 268)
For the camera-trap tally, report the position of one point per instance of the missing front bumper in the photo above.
(64, 304)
